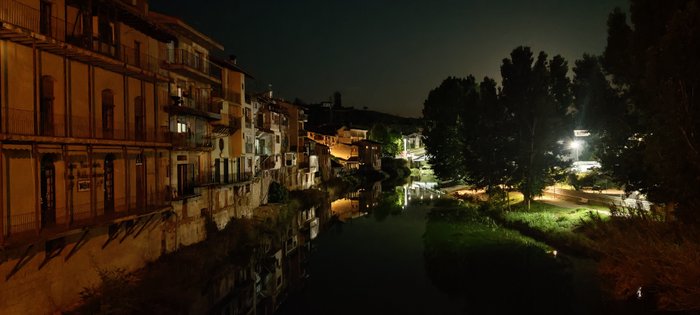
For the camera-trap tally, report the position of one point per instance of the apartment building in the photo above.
(118, 135)
(79, 121)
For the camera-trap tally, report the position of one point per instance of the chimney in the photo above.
(269, 91)
(232, 59)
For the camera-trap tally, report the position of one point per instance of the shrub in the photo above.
(658, 259)
(277, 193)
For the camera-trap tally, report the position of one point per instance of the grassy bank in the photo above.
(640, 254)
(469, 256)
(559, 227)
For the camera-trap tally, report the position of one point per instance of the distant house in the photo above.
(370, 153)
(348, 144)
(413, 141)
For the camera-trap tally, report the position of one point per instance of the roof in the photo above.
(179, 26)
(325, 129)
(230, 65)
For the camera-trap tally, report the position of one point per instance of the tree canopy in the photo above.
(489, 138)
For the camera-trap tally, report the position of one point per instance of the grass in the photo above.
(559, 226)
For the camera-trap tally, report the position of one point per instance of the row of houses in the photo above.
(349, 145)
(122, 130)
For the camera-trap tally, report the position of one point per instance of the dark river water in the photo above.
(409, 252)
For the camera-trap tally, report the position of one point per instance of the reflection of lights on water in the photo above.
(639, 293)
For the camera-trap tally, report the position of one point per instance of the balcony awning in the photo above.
(222, 131)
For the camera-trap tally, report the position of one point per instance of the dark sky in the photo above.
(388, 54)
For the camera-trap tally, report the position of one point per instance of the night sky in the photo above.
(388, 54)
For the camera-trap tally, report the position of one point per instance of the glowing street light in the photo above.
(576, 146)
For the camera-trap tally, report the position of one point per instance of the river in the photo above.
(406, 250)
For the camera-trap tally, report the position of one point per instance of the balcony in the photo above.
(228, 95)
(268, 162)
(28, 227)
(211, 179)
(192, 65)
(201, 106)
(21, 122)
(23, 24)
(188, 141)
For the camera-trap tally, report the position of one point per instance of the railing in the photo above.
(228, 94)
(21, 223)
(21, 122)
(201, 103)
(31, 19)
(193, 61)
(138, 58)
(238, 177)
(234, 122)
(187, 140)
(28, 224)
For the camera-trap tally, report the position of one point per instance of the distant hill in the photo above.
(319, 115)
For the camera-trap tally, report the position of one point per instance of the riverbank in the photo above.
(634, 249)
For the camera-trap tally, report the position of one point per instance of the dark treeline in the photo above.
(638, 100)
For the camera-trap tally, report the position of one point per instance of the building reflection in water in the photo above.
(279, 267)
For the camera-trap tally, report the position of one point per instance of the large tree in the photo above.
(488, 148)
(442, 114)
(536, 93)
(654, 64)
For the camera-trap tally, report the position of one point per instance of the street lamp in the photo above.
(576, 146)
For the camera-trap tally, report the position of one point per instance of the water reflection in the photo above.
(407, 250)
(493, 270)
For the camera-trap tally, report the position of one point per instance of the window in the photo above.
(181, 127)
(226, 179)
(277, 138)
(217, 170)
(46, 106)
(107, 113)
(139, 119)
(45, 17)
(137, 53)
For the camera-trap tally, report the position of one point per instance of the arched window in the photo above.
(107, 113)
(109, 183)
(46, 126)
(139, 118)
(48, 191)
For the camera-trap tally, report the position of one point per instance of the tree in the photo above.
(442, 114)
(662, 43)
(489, 165)
(387, 137)
(535, 93)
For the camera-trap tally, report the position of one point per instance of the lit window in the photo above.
(181, 127)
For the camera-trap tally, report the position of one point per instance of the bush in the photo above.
(395, 168)
(593, 179)
(277, 193)
(656, 258)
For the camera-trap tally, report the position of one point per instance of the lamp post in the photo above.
(576, 146)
